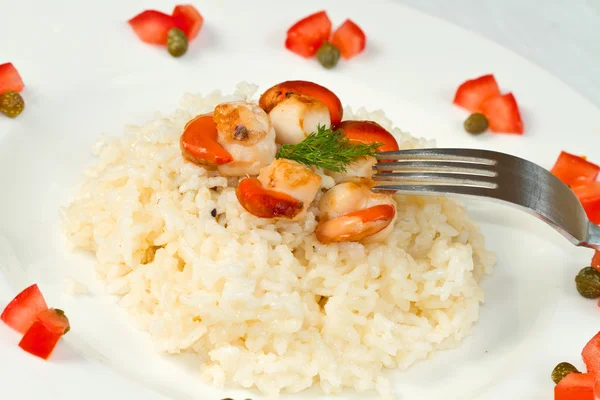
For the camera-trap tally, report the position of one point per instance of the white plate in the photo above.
(87, 73)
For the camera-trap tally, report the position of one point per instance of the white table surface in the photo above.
(562, 36)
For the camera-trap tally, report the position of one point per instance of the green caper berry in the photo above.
(11, 103)
(588, 283)
(177, 42)
(561, 370)
(328, 55)
(476, 123)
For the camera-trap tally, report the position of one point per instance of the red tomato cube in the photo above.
(188, 19)
(349, 39)
(10, 78)
(152, 26)
(502, 112)
(41, 338)
(472, 93)
(591, 356)
(307, 35)
(596, 261)
(572, 169)
(588, 194)
(575, 387)
(21, 312)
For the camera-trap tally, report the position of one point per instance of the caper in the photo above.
(328, 55)
(11, 103)
(476, 123)
(561, 370)
(177, 42)
(588, 283)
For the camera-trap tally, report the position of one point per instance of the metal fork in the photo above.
(490, 175)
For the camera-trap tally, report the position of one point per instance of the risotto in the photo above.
(261, 301)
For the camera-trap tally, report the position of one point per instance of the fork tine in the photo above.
(425, 178)
(436, 166)
(433, 190)
(449, 155)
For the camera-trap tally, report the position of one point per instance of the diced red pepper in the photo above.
(572, 169)
(21, 312)
(502, 112)
(575, 387)
(10, 78)
(591, 356)
(41, 338)
(349, 39)
(306, 36)
(152, 26)
(188, 19)
(298, 45)
(472, 93)
(588, 194)
(596, 261)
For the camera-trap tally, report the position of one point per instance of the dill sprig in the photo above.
(328, 149)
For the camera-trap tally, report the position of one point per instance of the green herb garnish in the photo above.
(327, 148)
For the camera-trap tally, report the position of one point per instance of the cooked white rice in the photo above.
(263, 303)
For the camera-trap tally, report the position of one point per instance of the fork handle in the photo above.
(593, 239)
